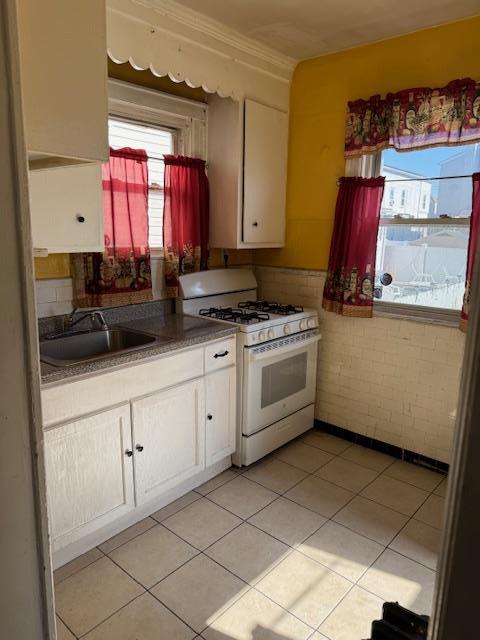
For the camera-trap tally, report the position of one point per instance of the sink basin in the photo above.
(73, 349)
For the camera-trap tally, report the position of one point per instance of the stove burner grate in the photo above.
(271, 307)
(241, 316)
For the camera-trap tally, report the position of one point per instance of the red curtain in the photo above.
(185, 218)
(472, 249)
(121, 274)
(351, 266)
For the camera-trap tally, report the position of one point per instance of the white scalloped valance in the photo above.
(149, 35)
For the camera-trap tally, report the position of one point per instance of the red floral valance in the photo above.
(414, 118)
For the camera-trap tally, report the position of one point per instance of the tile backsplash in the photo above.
(54, 297)
(395, 380)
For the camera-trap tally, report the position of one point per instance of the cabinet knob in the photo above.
(209, 416)
(255, 224)
(139, 447)
(80, 218)
(129, 453)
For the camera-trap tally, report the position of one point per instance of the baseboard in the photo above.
(383, 447)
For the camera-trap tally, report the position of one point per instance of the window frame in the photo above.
(187, 119)
(369, 166)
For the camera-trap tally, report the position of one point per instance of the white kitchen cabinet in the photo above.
(89, 474)
(63, 57)
(220, 407)
(168, 438)
(66, 209)
(160, 414)
(264, 174)
(247, 159)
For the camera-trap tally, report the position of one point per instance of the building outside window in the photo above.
(423, 240)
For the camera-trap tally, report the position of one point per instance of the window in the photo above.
(391, 197)
(156, 141)
(423, 240)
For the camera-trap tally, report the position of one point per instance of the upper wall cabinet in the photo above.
(66, 209)
(64, 80)
(247, 159)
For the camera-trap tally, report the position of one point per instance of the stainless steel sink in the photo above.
(93, 345)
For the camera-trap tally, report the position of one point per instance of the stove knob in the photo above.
(261, 336)
(287, 329)
(302, 325)
(311, 323)
(271, 334)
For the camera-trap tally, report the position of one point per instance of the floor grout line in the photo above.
(111, 615)
(155, 523)
(63, 621)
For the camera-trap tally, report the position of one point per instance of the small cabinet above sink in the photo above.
(92, 345)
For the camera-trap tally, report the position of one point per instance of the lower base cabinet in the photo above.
(220, 399)
(89, 474)
(101, 467)
(169, 438)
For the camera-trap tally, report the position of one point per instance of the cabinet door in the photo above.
(221, 415)
(265, 174)
(63, 53)
(169, 438)
(66, 207)
(89, 474)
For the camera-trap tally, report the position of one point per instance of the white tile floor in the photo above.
(305, 545)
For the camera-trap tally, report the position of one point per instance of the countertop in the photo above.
(183, 331)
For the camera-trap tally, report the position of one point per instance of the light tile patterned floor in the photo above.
(305, 545)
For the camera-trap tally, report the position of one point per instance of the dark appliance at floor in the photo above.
(398, 623)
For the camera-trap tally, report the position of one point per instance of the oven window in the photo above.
(283, 379)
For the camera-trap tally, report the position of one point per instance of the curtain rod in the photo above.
(428, 179)
(421, 179)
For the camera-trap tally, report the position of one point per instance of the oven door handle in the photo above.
(272, 353)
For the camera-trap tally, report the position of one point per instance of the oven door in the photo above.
(279, 378)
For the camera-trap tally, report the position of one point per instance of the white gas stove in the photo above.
(276, 359)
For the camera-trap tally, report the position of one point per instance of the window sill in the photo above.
(426, 315)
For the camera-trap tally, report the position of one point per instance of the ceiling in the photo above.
(308, 28)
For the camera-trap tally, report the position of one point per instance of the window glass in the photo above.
(156, 141)
(427, 265)
(283, 379)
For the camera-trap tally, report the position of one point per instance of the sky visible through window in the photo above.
(435, 162)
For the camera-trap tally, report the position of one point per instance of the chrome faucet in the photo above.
(93, 315)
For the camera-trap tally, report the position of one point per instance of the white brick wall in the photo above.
(54, 297)
(391, 379)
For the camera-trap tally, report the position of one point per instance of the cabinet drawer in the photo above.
(220, 354)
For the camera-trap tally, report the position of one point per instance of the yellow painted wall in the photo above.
(320, 91)
(56, 265)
